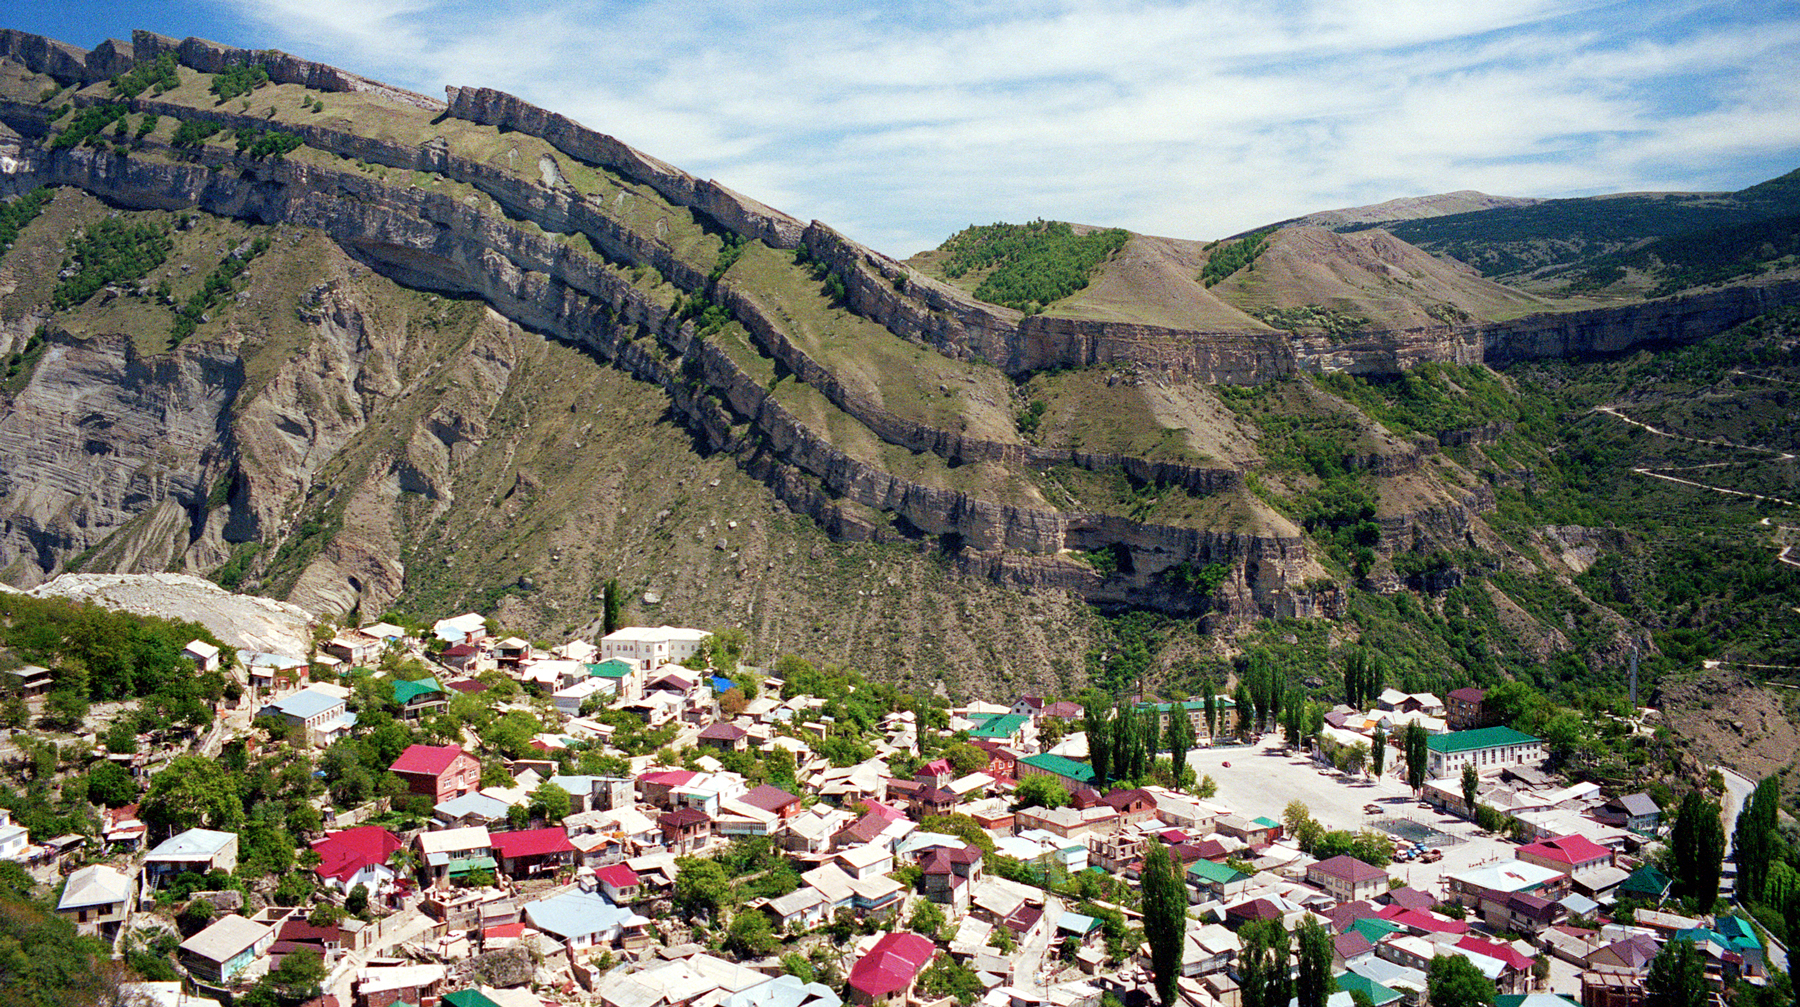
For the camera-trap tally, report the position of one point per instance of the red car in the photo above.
(1227, 765)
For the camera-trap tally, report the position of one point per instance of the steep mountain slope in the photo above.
(359, 348)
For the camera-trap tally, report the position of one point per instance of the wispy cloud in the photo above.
(899, 123)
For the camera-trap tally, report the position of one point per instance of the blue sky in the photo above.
(899, 123)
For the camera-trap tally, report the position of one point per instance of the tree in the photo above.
(15, 712)
(1210, 707)
(1471, 784)
(109, 784)
(1677, 977)
(1378, 752)
(1207, 789)
(1258, 983)
(1246, 708)
(1180, 738)
(701, 887)
(1313, 951)
(300, 975)
(1038, 791)
(1097, 721)
(1165, 917)
(66, 709)
(1755, 844)
(1697, 851)
(192, 792)
(1456, 982)
(926, 919)
(1417, 754)
(965, 758)
(751, 935)
(946, 977)
(732, 702)
(356, 902)
(612, 604)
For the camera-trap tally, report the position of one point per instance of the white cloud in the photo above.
(898, 124)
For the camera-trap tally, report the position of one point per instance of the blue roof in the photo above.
(306, 703)
(721, 684)
(1741, 935)
(1076, 922)
(473, 804)
(577, 786)
(194, 842)
(783, 991)
(572, 914)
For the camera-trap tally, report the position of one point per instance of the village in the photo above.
(648, 822)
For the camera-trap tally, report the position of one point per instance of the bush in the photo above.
(238, 79)
(160, 73)
(111, 251)
(1034, 264)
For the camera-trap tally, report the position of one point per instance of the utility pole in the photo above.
(1634, 680)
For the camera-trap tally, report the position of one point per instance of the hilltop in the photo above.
(365, 350)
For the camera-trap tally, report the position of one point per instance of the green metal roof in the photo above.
(1741, 935)
(614, 668)
(1206, 870)
(1267, 823)
(1646, 880)
(1000, 725)
(1080, 772)
(470, 864)
(405, 691)
(469, 998)
(1486, 737)
(1219, 703)
(1373, 930)
(1350, 982)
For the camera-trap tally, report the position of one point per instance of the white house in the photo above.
(204, 655)
(1486, 748)
(648, 647)
(13, 838)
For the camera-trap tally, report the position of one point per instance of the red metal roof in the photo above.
(668, 778)
(460, 650)
(342, 854)
(892, 964)
(769, 798)
(1348, 868)
(430, 760)
(1431, 923)
(1571, 849)
(531, 842)
(617, 875)
(1504, 952)
(682, 818)
(724, 732)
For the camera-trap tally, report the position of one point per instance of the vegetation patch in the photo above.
(219, 285)
(1033, 264)
(1312, 318)
(237, 80)
(1228, 258)
(86, 125)
(16, 214)
(193, 133)
(112, 251)
(160, 75)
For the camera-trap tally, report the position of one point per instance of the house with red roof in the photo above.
(1575, 855)
(725, 737)
(357, 856)
(685, 830)
(532, 851)
(440, 772)
(1422, 923)
(619, 883)
(774, 800)
(886, 974)
(1347, 878)
(656, 787)
(1003, 762)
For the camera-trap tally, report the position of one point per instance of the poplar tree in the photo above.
(1417, 754)
(1755, 843)
(1697, 848)
(1378, 752)
(1097, 721)
(1210, 707)
(1677, 977)
(1245, 710)
(1165, 917)
(1181, 739)
(1313, 983)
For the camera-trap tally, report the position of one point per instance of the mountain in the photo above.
(1414, 207)
(319, 338)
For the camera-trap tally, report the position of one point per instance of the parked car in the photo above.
(1432, 857)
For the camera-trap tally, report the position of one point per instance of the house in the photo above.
(1253, 831)
(1612, 989)
(221, 951)
(31, 680)
(1016, 730)
(1215, 882)
(623, 679)
(886, 974)
(862, 862)
(440, 772)
(928, 801)
(724, 737)
(318, 710)
(1485, 748)
(466, 629)
(204, 655)
(196, 850)
(391, 985)
(469, 809)
(1646, 883)
(948, 874)
(583, 919)
(532, 851)
(774, 800)
(419, 697)
(648, 647)
(97, 899)
(1577, 856)
(685, 830)
(1518, 912)
(1395, 701)
(1506, 877)
(1463, 710)
(357, 856)
(354, 647)
(619, 883)
(800, 909)
(14, 839)
(1634, 812)
(1067, 771)
(1347, 878)
(451, 853)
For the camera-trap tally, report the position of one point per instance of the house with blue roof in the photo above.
(784, 991)
(469, 809)
(318, 710)
(583, 919)
(1741, 937)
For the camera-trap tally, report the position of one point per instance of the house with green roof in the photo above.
(469, 998)
(1485, 748)
(1741, 937)
(1379, 995)
(1215, 881)
(617, 677)
(1012, 729)
(419, 697)
(1068, 772)
(1646, 883)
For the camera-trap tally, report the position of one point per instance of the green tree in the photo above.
(946, 977)
(1246, 710)
(356, 902)
(1417, 754)
(1755, 843)
(926, 919)
(109, 784)
(1677, 977)
(1697, 851)
(965, 758)
(299, 976)
(751, 935)
(1180, 738)
(550, 802)
(66, 709)
(1165, 917)
(701, 887)
(1471, 783)
(1456, 982)
(1378, 752)
(192, 792)
(612, 606)
(1259, 985)
(1313, 952)
(1039, 791)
